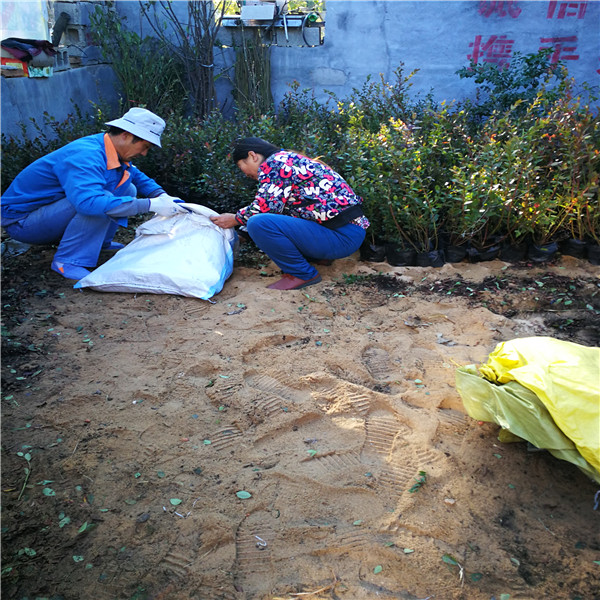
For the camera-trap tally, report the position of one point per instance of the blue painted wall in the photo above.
(365, 37)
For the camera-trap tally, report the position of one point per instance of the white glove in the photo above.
(165, 206)
(174, 198)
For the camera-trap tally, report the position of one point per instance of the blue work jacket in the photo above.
(87, 172)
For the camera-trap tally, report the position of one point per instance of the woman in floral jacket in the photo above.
(303, 211)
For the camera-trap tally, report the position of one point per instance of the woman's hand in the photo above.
(226, 220)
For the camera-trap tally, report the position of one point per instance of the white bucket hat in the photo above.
(142, 123)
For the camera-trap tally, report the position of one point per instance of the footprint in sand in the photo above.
(177, 563)
(225, 437)
(254, 543)
(377, 361)
(382, 429)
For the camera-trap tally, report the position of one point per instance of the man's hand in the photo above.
(174, 198)
(166, 206)
(226, 220)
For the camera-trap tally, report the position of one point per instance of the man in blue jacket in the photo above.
(78, 195)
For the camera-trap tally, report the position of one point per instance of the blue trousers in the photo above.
(79, 237)
(290, 242)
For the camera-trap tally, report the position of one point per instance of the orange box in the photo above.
(15, 62)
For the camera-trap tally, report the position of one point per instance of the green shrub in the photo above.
(377, 103)
(149, 74)
(251, 84)
(428, 174)
(530, 178)
(500, 87)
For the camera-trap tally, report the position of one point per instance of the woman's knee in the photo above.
(261, 223)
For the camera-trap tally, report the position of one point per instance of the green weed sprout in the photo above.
(27, 470)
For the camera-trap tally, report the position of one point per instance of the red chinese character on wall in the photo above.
(562, 46)
(502, 7)
(496, 50)
(566, 9)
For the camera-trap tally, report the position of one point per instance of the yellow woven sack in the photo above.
(544, 390)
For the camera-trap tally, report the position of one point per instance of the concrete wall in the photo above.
(24, 98)
(437, 37)
(363, 37)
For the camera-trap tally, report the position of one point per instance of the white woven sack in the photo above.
(185, 255)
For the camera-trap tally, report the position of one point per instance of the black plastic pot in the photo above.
(455, 254)
(573, 247)
(513, 252)
(437, 258)
(433, 258)
(542, 253)
(477, 255)
(372, 252)
(490, 253)
(400, 257)
(593, 253)
(423, 259)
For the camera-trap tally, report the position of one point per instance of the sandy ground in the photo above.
(142, 417)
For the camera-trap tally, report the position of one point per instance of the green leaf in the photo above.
(175, 501)
(86, 527)
(242, 495)
(449, 560)
(48, 492)
(408, 550)
(78, 558)
(357, 522)
(377, 569)
(476, 576)
(64, 521)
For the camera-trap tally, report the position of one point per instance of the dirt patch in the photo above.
(131, 422)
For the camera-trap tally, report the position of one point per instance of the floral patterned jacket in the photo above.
(297, 186)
